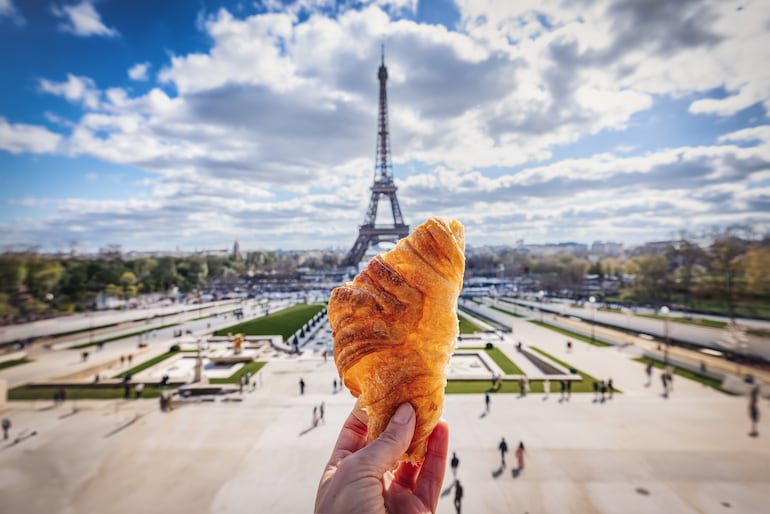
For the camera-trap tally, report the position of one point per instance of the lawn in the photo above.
(706, 381)
(284, 322)
(15, 362)
(146, 364)
(502, 360)
(569, 333)
(467, 326)
(235, 378)
(81, 392)
(506, 311)
(586, 385)
(703, 322)
(117, 338)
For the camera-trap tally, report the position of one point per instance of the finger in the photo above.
(352, 436)
(406, 475)
(383, 453)
(431, 478)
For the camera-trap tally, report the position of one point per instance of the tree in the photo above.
(725, 263)
(128, 285)
(757, 270)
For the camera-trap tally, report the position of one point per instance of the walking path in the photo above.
(259, 452)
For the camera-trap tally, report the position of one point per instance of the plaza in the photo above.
(259, 451)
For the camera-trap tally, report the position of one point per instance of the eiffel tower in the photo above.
(370, 233)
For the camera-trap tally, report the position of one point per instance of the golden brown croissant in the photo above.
(395, 328)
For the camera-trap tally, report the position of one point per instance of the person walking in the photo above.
(569, 389)
(503, 447)
(301, 386)
(321, 413)
(458, 496)
(664, 379)
(335, 385)
(6, 427)
(520, 452)
(754, 410)
(610, 387)
(562, 388)
(648, 371)
(596, 391)
(486, 400)
(454, 463)
(315, 415)
(603, 389)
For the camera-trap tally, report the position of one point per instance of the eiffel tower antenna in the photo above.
(370, 233)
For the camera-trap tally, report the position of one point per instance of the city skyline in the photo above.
(205, 123)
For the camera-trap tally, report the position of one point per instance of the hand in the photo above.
(359, 477)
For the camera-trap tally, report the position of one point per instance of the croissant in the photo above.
(395, 328)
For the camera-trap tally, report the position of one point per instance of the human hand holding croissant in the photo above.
(395, 328)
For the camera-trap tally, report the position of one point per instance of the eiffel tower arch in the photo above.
(370, 233)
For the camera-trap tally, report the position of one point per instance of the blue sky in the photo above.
(179, 124)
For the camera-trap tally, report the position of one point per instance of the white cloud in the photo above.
(139, 71)
(9, 10)
(82, 20)
(20, 138)
(75, 89)
(268, 136)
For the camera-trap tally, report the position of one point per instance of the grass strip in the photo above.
(586, 385)
(703, 322)
(235, 378)
(84, 392)
(467, 326)
(569, 333)
(116, 338)
(506, 311)
(284, 322)
(706, 381)
(15, 362)
(501, 359)
(147, 364)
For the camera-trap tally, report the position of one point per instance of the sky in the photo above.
(189, 124)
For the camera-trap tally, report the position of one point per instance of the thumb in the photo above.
(383, 453)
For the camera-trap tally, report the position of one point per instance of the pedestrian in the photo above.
(648, 371)
(610, 387)
(569, 389)
(596, 391)
(486, 400)
(325, 353)
(130, 358)
(520, 455)
(664, 379)
(122, 360)
(248, 377)
(6, 427)
(335, 384)
(321, 413)
(562, 388)
(569, 346)
(604, 390)
(702, 368)
(503, 447)
(458, 496)
(241, 383)
(315, 415)
(754, 410)
(670, 373)
(301, 386)
(454, 463)
(127, 391)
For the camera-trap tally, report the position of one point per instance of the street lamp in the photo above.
(664, 311)
(592, 301)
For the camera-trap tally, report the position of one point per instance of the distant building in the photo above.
(236, 249)
(607, 248)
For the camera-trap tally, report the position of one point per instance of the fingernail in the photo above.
(403, 414)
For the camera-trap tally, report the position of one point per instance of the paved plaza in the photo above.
(259, 452)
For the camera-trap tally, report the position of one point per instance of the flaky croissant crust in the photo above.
(395, 327)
